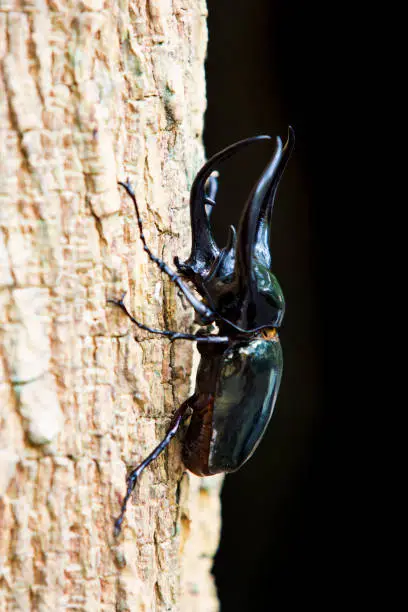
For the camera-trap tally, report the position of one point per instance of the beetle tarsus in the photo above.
(119, 302)
(131, 483)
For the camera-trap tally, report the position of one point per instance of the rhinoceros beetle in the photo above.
(240, 368)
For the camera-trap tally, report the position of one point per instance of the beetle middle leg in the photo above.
(135, 473)
(205, 313)
(171, 335)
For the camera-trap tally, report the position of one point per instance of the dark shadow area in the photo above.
(291, 524)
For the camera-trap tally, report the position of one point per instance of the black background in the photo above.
(296, 523)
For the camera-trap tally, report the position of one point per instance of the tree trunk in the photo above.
(93, 92)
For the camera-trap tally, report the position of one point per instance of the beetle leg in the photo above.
(172, 335)
(134, 474)
(205, 313)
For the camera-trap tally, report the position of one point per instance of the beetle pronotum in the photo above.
(240, 368)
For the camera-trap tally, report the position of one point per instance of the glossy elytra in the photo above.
(240, 368)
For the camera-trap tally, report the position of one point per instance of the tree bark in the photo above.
(93, 92)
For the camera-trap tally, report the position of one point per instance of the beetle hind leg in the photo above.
(131, 480)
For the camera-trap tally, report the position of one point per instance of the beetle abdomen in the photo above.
(234, 400)
(247, 386)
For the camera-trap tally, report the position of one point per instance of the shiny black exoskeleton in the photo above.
(241, 367)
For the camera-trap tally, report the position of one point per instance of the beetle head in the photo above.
(237, 281)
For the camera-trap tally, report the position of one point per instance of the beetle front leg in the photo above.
(171, 335)
(134, 474)
(205, 313)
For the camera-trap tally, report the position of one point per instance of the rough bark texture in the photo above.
(92, 92)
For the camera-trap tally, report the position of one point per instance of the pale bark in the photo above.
(92, 92)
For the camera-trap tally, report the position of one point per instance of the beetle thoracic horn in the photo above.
(254, 226)
(204, 249)
(262, 239)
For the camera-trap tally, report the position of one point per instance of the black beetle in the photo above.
(240, 368)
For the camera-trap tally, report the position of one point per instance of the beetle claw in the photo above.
(120, 302)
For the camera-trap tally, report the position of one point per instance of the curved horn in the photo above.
(204, 249)
(262, 239)
(249, 222)
(260, 296)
